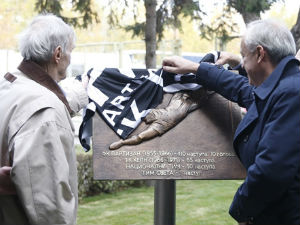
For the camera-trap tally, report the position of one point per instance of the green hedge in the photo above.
(87, 186)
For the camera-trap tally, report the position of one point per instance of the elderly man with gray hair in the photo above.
(36, 131)
(267, 140)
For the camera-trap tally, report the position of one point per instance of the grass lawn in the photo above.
(201, 202)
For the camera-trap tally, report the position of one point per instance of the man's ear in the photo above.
(261, 53)
(57, 54)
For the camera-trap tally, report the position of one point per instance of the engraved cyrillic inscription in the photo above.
(168, 163)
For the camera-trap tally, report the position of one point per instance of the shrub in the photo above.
(87, 186)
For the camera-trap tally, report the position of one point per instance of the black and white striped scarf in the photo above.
(124, 97)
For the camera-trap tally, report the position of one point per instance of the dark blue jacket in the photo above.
(267, 141)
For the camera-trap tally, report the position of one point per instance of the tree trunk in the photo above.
(150, 33)
(249, 17)
(296, 31)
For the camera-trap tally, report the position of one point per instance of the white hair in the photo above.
(44, 34)
(274, 36)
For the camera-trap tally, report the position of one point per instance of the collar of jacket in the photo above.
(269, 84)
(36, 73)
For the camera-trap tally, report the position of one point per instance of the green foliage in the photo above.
(138, 29)
(82, 7)
(253, 6)
(167, 14)
(223, 27)
(87, 186)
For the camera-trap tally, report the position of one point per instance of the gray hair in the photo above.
(274, 36)
(44, 34)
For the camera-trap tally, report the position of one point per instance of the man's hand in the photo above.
(228, 58)
(179, 65)
(6, 185)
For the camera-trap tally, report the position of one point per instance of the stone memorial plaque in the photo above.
(199, 147)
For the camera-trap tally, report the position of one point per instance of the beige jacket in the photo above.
(36, 139)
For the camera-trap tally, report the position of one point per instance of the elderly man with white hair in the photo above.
(36, 131)
(267, 140)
